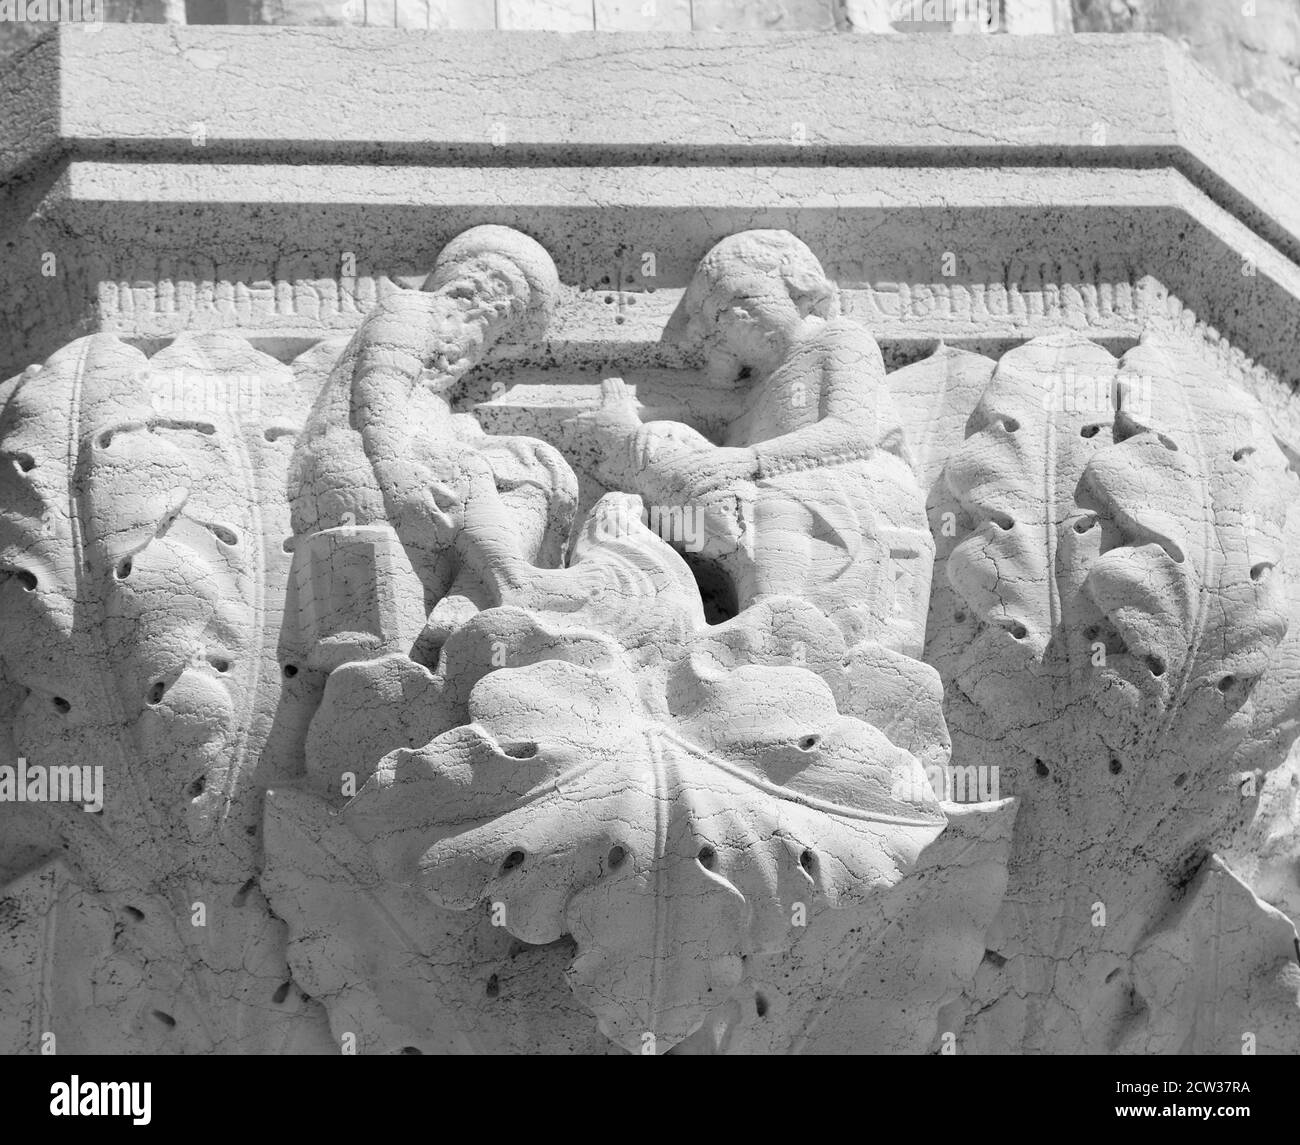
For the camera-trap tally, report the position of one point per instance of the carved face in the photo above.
(488, 282)
(502, 269)
(755, 324)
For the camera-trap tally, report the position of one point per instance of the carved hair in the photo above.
(727, 274)
(502, 269)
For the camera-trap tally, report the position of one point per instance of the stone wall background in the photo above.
(599, 15)
(1252, 44)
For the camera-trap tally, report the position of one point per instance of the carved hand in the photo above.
(727, 520)
(616, 417)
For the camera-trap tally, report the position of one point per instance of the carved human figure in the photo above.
(379, 474)
(810, 493)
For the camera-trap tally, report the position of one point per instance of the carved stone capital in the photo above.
(788, 565)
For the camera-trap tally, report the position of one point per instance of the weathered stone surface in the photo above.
(142, 591)
(790, 563)
(1105, 517)
(1034, 239)
(1254, 45)
(701, 794)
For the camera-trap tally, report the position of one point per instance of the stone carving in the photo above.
(1265, 854)
(598, 762)
(380, 469)
(458, 752)
(140, 543)
(1115, 632)
(811, 494)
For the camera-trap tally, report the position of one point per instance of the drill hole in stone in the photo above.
(1180, 780)
(290, 671)
(616, 857)
(135, 912)
(1089, 431)
(1116, 767)
(524, 749)
(281, 993)
(1010, 424)
(708, 857)
(1260, 571)
(808, 861)
(411, 1050)
(166, 1019)
(1041, 769)
(225, 534)
(512, 861)
(195, 789)
(493, 987)
(1018, 631)
(221, 665)
(62, 706)
(1156, 665)
(959, 617)
(1084, 524)
(760, 1005)
(1226, 683)
(156, 692)
(26, 579)
(808, 742)
(123, 569)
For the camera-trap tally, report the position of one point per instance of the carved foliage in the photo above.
(1127, 555)
(1113, 632)
(675, 817)
(142, 577)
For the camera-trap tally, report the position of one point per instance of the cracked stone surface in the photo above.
(507, 661)
(1254, 46)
